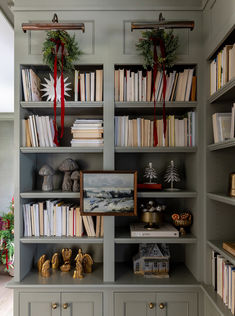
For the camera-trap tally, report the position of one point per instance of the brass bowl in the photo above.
(152, 219)
(182, 223)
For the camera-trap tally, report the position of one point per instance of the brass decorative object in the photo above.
(152, 214)
(55, 25)
(182, 221)
(78, 273)
(55, 261)
(46, 269)
(87, 263)
(66, 254)
(232, 185)
(41, 261)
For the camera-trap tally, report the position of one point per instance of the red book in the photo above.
(149, 186)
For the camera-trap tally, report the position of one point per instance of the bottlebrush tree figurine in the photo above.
(150, 174)
(171, 176)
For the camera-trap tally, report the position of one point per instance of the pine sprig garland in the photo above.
(72, 51)
(145, 46)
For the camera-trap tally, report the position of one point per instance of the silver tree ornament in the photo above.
(171, 176)
(150, 174)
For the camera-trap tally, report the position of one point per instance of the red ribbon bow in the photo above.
(158, 41)
(59, 43)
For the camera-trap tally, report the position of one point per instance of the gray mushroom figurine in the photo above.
(75, 176)
(47, 172)
(68, 166)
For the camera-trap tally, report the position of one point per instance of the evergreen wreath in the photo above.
(145, 46)
(71, 50)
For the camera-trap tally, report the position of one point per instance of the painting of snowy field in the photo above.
(108, 193)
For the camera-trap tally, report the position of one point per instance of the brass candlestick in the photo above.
(232, 184)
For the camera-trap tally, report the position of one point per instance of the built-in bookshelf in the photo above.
(220, 206)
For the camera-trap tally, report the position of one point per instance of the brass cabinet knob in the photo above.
(54, 305)
(65, 305)
(151, 305)
(161, 306)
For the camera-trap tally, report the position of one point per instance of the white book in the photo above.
(45, 133)
(25, 221)
(139, 131)
(76, 85)
(166, 230)
(232, 121)
(82, 87)
(29, 220)
(49, 133)
(35, 131)
(140, 85)
(121, 84)
(38, 130)
(67, 221)
(58, 221)
(46, 223)
(64, 221)
(36, 217)
(91, 225)
(136, 87)
(42, 139)
(92, 86)
(132, 87)
(144, 89)
(23, 132)
(31, 129)
(88, 86)
(128, 86)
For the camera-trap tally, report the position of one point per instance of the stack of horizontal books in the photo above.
(87, 133)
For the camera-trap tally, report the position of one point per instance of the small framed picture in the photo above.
(108, 193)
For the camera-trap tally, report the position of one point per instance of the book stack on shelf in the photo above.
(31, 85)
(222, 68)
(223, 279)
(138, 85)
(38, 131)
(88, 86)
(223, 126)
(56, 218)
(87, 133)
(139, 132)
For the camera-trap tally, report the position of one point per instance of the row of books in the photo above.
(139, 132)
(222, 68)
(223, 279)
(38, 131)
(31, 85)
(137, 86)
(223, 125)
(88, 86)
(87, 132)
(56, 218)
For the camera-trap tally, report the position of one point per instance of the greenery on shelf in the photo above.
(7, 239)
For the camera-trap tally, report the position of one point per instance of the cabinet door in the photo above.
(134, 304)
(176, 304)
(38, 304)
(81, 304)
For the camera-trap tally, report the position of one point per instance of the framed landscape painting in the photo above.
(108, 193)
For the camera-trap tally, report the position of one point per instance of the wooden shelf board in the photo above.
(221, 197)
(71, 108)
(68, 104)
(226, 93)
(216, 300)
(61, 240)
(123, 237)
(217, 245)
(167, 194)
(50, 195)
(58, 278)
(143, 105)
(179, 275)
(155, 149)
(58, 150)
(222, 145)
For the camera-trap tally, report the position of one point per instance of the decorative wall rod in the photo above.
(55, 25)
(162, 24)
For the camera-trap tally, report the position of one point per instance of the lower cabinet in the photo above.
(155, 304)
(65, 304)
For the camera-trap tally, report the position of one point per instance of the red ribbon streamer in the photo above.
(58, 44)
(155, 68)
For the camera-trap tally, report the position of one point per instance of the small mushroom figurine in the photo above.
(68, 166)
(47, 172)
(75, 176)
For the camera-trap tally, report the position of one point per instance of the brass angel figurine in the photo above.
(55, 261)
(66, 254)
(46, 269)
(41, 261)
(78, 273)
